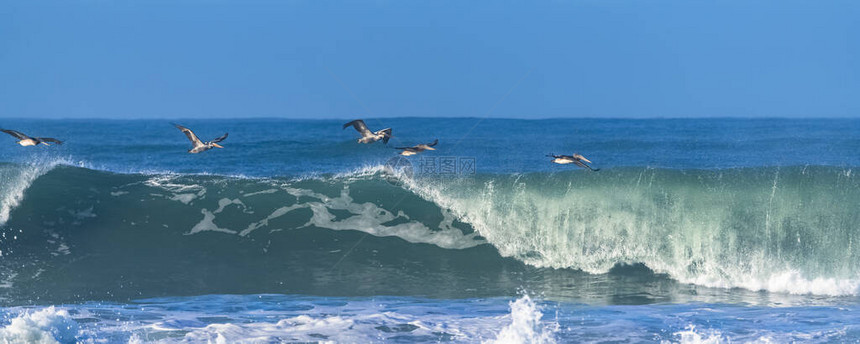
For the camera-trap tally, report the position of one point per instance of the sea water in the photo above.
(693, 230)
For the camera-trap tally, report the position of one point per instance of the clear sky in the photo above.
(327, 59)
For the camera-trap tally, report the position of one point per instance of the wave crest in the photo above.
(14, 181)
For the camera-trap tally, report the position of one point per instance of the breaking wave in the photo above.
(777, 229)
(787, 229)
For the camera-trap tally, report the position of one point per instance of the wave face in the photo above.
(778, 229)
(79, 234)
(82, 234)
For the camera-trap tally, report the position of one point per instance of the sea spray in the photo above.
(14, 181)
(526, 325)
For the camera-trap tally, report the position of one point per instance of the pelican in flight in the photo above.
(368, 136)
(576, 158)
(25, 140)
(197, 145)
(407, 151)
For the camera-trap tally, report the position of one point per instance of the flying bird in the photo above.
(368, 136)
(25, 140)
(197, 145)
(407, 151)
(576, 158)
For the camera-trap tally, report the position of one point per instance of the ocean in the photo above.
(693, 230)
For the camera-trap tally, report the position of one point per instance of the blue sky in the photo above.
(326, 59)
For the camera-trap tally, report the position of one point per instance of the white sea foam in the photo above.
(692, 336)
(265, 222)
(371, 323)
(45, 326)
(267, 191)
(355, 321)
(367, 217)
(301, 328)
(208, 224)
(208, 221)
(225, 202)
(786, 281)
(370, 218)
(185, 193)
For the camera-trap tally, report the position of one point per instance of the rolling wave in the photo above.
(787, 229)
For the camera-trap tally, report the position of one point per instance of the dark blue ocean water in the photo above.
(717, 230)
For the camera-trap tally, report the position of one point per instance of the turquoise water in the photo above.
(693, 230)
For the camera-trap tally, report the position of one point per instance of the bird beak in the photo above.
(431, 148)
(219, 146)
(583, 158)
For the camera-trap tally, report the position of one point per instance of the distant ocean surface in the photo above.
(694, 230)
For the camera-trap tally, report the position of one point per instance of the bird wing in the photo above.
(583, 165)
(387, 133)
(359, 126)
(50, 139)
(413, 147)
(219, 139)
(19, 135)
(189, 133)
(434, 143)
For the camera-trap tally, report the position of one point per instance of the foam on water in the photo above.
(371, 219)
(45, 326)
(365, 216)
(692, 336)
(212, 319)
(283, 318)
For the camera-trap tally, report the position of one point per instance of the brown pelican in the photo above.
(197, 145)
(576, 158)
(25, 140)
(366, 135)
(407, 151)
